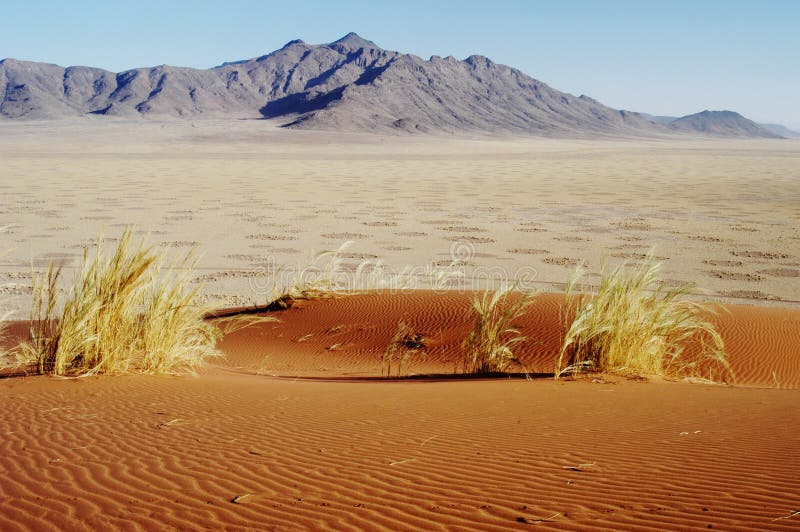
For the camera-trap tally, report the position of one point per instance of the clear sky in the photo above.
(663, 57)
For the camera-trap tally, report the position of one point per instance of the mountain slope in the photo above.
(349, 84)
(471, 95)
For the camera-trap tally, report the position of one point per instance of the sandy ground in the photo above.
(238, 448)
(292, 428)
(723, 214)
(434, 456)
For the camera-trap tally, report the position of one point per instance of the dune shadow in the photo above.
(425, 378)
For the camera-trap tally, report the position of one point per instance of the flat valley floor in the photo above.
(255, 199)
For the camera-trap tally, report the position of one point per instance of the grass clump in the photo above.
(633, 324)
(488, 348)
(4, 315)
(3, 326)
(126, 311)
(405, 344)
(322, 277)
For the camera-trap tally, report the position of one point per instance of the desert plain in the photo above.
(293, 426)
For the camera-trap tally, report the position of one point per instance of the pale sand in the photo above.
(254, 198)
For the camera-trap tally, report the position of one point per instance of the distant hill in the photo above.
(721, 124)
(781, 130)
(350, 84)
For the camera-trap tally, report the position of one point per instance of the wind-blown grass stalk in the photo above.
(374, 276)
(315, 281)
(127, 312)
(635, 325)
(489, 346)
(325, 276)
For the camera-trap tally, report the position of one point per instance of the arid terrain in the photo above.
(292, 427)
(721, 213)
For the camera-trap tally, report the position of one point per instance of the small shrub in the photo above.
(633, 324)
(488, 348)
(405, 344)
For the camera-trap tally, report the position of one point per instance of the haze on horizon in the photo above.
(671, 59)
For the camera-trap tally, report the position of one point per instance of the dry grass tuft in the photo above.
(123, 312)
(4, 315)
(488, 348)
(405, 344)
(316, 281)
(3, 325)
(327, 274)
(635, 325)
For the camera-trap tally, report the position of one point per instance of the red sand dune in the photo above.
(238, 450)
(346, 336)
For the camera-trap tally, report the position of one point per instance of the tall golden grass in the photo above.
(633, 324)
(489, 346)
(127, 311)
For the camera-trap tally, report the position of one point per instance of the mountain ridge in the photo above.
(351, 84)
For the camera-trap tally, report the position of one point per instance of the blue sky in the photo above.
(663, 57)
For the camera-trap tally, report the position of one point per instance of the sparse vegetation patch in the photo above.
(127, 311)
(489, 346)
(633, 324)
(405, 345)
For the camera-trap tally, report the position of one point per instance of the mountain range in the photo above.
(350, 84)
